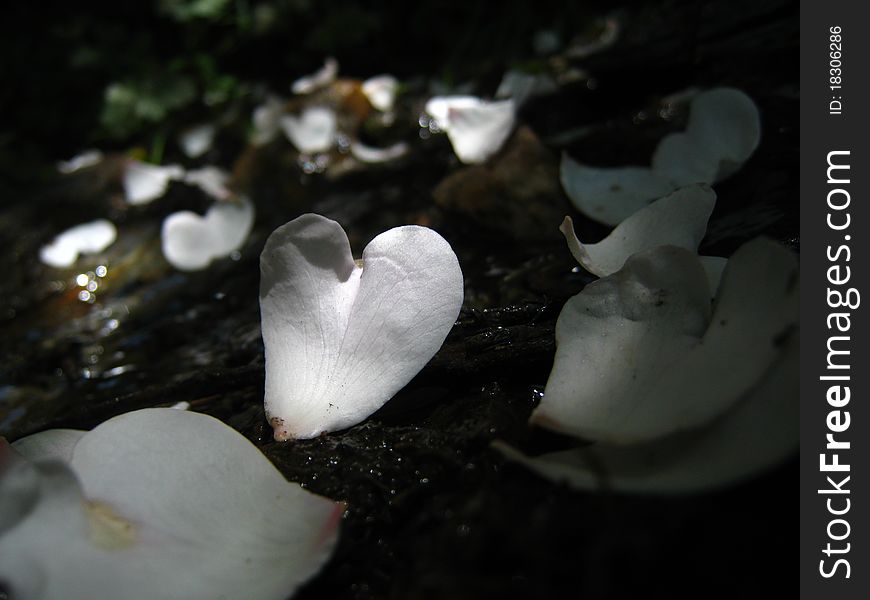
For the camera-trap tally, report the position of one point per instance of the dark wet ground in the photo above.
(433, 511)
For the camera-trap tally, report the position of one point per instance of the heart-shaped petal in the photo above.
(724, 130)
(191, 242)
(312, 132)
(87, 238)
(342, 340)
(640, 357)
(162, 503)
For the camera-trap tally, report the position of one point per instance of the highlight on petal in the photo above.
(317, 80)
(724, 130)
(313, 131)
(381, 91)
(162, 503)
(211, 180)
(610, 195)
(191, 242)
(267, 120)
(197, 140)
(678, 219)
(368, 154)
(639, 355)
(341, 339)
(86, 159)
(476, 129)
(758, 433)
(87, 238)
(144, 182)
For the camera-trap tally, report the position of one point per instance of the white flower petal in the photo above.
(381, 91)
(144, 182)
(522, 86)
(88, 158)
(54, 443)
(368, 154)
(724, 130)
(198, 140)
(758, 433)
(317, 80)
(439, 107)
(190, 242)
(342, 340)
(172, 504)
(87, 238)
(678, 219)
(610, 195)
(211, 180)
(313, 131)
(639, 355)
(267, 120)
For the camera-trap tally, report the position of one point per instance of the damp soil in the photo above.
(433, 511)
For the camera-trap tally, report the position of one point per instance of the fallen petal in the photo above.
(724, 130)
(639, 356)
(191, 242)
(342, 340)
(87, 238)
(476, 129)
(317, 80)
(368, 154)
(162, 503)
(144, 182)
(758, 433)
(86, 159)
(211, 180)
(313, 132)
(198, 140)
(610, 195)
(381, 91)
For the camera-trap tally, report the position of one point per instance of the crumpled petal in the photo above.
(191, 242)
(313, 131)
(162, 503)
(639, 356)
(610, 195)
(317, 80)
(342, 340)
(381, 91)
(758, 433)
(144, 182)
(678, 219)
(87, 238)
(476, 129)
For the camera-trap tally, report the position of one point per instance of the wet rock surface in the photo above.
(433, 512)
